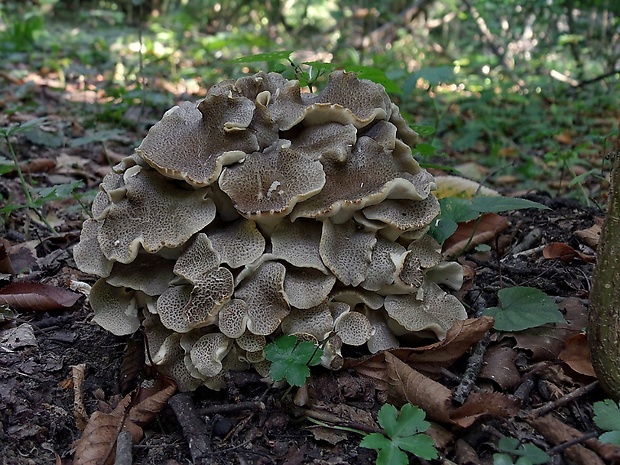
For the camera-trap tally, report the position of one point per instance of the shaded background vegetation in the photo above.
(521, 94)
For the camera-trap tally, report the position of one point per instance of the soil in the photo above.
(255, 422)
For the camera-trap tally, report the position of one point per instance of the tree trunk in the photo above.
(604, 327)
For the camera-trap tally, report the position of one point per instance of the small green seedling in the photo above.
(522, 308)
(456, 210)
(35, 198)
(290, 359)
(512, 449)
(607, 418)
(402, 433)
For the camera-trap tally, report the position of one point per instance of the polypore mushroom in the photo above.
(264, 294)
(153, 213)
(115, 308)
(316, 321)
(208, 352)
(264, 210)
(432, 310)
(268, 184)
(346, 251)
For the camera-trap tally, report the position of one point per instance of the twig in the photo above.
(474, 366)
(192, 425)
(562, 400)
(338, 423)
(231, 408)
(565, 445)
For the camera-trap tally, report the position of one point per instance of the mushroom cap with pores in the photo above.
(266, 209)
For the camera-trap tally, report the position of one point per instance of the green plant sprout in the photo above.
(41, 195)
(457, 210)
(607, 418)
(511, 449)
(290, 359)
(403, 432)
(523, 308)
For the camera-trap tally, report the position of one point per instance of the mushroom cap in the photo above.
(364, 99)
(264, 293)
(251, 342)
(346, 251)
(238, 243)
(156, 345)
(115, 308)
(401, 216)
(353, 328)
(382, 267)
(198, 259)
(435, 311)
(87, 253)
(232, 318)
(332, 353)
(331, 141)
(447, 273)
(193, 142)
(370, 175)
(298, 243)
(355, 296)
(268, 184)
(148, 273)
(208, 352)
(170, 307)
(316, 321)
(382, 337)
(155, 214)
(209, 294)
(306, 287)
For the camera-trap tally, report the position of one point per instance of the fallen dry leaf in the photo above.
(404, 384)
(37, 297)
(96, 445)
(470, 234)
(564, 252)
(576, 354)
(432, 358)
(591, 236)
(500, 366)
(5, 261)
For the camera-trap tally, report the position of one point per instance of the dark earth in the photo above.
(253, 421)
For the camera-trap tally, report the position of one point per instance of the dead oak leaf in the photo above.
(37, 297)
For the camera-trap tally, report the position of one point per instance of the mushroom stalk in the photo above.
(604, 327)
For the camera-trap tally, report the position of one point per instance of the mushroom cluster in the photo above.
(264, 210)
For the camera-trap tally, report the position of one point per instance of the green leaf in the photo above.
(97, 136)
(502, 459)
(424, 130)
(534, 454)
(522, 308)
(502, 204)
(375, 441)
(457, 209)
(58, 192)
(268, 56)
(508, 444)
(410, 421)
(611, 437)
(388, 419)
(392, 455)
(425, 150)
(290, 359)
(607, 415)
(420, 445)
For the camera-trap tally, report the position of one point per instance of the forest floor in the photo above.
(57, 368)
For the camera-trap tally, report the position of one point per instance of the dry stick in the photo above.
(231, 408)
(562, 400)
(192, 425)
(475, 361)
